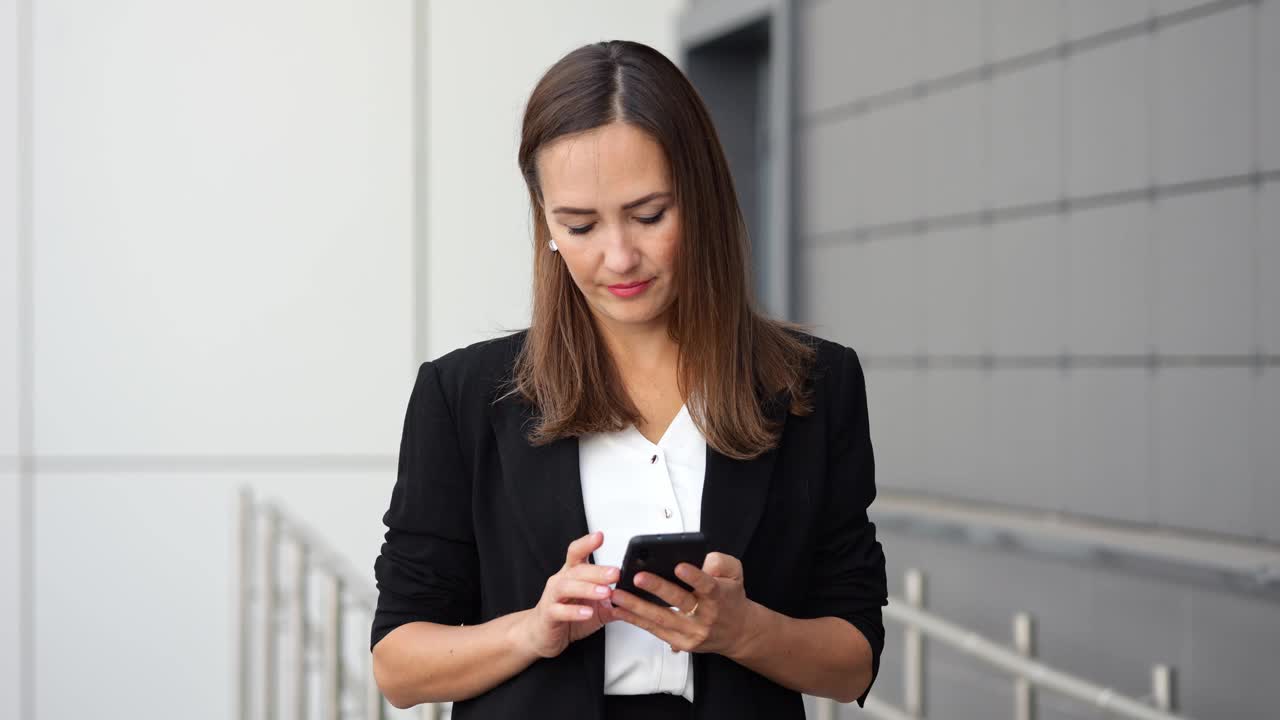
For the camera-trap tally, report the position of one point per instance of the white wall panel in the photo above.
(9, 301)
(11, 590)
(135, 570)
(131, 574)
(222, 227)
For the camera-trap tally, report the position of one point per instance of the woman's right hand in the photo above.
(574, 603)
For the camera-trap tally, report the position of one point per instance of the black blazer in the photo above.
(479, 519)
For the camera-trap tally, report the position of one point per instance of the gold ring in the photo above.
(694, 610)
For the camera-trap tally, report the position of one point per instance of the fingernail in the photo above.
(642, 580)
(602, 590)
(584, 612)
(613, 572)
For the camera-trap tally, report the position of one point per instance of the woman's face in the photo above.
(608, 201)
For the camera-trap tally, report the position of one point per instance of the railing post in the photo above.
(1024, 641)
(374, 708)
(300, 631)
(826, 708)
(913, 650)
(267, 589)
(244, 603)
(1163, 689)
(332, 679)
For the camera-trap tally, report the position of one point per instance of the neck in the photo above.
(640, 349)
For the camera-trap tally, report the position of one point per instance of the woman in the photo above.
(646, 396)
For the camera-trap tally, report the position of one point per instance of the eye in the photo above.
(651, 219)
(580, 230)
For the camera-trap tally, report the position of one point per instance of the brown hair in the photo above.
(733, 361)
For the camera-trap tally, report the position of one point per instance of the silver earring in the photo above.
(552, 245)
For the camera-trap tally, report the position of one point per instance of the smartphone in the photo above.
(659, 554)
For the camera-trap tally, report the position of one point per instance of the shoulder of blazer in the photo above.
(830, 361)
(469, 376)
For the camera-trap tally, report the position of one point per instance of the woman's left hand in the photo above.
(712, 618)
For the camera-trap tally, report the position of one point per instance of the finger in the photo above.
(581, 549)
(570, 612)
(569, 589)
(601, 574)
(604, 611)
(701, 582)
(675, 595)
(723, 566)
(667, 635)
(655, 615)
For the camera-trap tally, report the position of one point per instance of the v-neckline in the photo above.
(667, 433)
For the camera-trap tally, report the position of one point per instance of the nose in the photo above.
(620, 254)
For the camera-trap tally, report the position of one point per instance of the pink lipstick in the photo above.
(630, 289)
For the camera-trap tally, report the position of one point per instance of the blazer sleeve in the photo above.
(428, 569)
(848, 579)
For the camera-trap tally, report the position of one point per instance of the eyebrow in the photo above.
(628, 206)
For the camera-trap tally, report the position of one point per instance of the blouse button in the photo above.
(653, 459)
(666, 512)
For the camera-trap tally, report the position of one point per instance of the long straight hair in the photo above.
(733, 361)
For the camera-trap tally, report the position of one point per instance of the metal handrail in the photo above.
(260, 589)
(263, 596)
(1027, 672)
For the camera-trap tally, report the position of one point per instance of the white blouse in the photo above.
(631, 486)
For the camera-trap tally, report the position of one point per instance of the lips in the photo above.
(630, 289)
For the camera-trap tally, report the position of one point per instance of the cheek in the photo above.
(669, 246)
(579, 265)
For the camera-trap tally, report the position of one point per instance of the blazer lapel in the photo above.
(543, 483)
(546, 486)
(734, 491)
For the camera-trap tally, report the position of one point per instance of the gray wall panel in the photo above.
(1065, 270)
(1202, 272)
(1107, 116)
(1202, 89)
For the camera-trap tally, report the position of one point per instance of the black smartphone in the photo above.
(659, 554)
